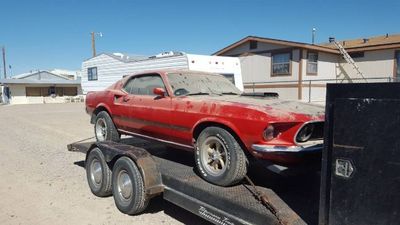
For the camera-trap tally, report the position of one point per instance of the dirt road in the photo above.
(42, 183)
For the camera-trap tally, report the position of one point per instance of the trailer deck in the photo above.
(219, 205)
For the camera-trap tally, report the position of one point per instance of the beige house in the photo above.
(40, 87)
(300, 70)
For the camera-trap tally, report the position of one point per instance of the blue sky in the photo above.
(55, 34)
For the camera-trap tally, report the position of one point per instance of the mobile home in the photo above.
(103, 70)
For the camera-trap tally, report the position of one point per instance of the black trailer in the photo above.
(151, 170)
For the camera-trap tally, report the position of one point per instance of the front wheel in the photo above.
(219, 157)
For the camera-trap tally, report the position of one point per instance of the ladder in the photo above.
(349, 60)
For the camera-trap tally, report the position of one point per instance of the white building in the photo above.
(103, 70)
(40, 87)
(300, 70)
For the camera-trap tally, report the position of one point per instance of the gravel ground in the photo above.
(42, 183)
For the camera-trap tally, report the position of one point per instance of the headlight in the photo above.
(305, 133)
(269, 133)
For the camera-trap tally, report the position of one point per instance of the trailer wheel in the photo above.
(128, 187)
(219, 157)
(104, 128)
(98, 173)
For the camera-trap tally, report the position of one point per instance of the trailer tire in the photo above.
(98, 174)
(128, 187)
(219, 158)
(104, 128)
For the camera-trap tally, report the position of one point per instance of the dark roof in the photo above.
(370, 43)
(278, 42)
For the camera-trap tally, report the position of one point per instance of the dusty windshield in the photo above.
(201, 84)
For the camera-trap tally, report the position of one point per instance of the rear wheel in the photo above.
(98, 173)
(105, 129)
(128, 187)
(219, 157)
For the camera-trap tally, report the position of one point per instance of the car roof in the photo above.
(169, 71)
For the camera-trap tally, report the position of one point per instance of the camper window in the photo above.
(92, 73)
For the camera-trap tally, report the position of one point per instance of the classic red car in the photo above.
(206, 113)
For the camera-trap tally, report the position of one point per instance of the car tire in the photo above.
(219, 158)
(128, 187)
(98, 174)
(104, 128)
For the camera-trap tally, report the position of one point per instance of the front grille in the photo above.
(317, 132)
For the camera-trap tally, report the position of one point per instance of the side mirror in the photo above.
(159, 92)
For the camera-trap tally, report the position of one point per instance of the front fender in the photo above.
(221, 121)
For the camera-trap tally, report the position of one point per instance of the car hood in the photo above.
(276, 107)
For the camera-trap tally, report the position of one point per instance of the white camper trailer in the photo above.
(103, 70)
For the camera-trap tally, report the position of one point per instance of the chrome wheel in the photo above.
(124, 185)
(101, 129)
(213, 156)
(96, 172)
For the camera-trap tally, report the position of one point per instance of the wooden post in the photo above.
(93, 44)
(4, 63)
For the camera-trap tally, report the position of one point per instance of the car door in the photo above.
(150, 114)
(123, 106)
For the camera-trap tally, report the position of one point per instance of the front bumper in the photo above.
(286, 149)
(289, 156)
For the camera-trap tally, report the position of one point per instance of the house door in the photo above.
(397, 65)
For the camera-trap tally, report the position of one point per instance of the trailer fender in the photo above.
(143, 159)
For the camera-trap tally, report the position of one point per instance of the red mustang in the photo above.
(208, 114)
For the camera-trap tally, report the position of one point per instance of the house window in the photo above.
(397, 65)
(312, 63)
(356, 54)
(33, 91)
(253, 45)
(281, 64)
(92, 73)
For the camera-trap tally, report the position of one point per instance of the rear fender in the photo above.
(94, 114)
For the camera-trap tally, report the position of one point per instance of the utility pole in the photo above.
(94, 42)
(4, 62)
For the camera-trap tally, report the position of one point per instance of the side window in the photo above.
(128, 86)
(144, 85)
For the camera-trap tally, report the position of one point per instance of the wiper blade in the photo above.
(198, 93)
(229, 93)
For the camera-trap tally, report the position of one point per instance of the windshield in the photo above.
(201, 84)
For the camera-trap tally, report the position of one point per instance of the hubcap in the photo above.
(101, 129)
(96, 172)
(125, 188)
(213, 156)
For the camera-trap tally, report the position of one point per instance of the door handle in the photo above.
(125, 98)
